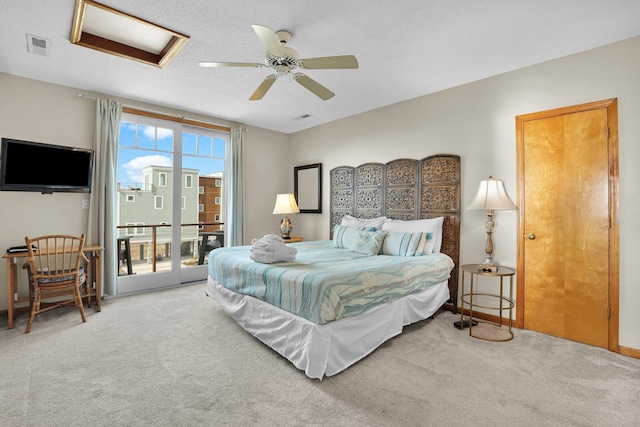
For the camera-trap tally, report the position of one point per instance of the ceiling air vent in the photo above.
(37, 45)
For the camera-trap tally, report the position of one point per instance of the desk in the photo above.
(504, 302)
(12, 279)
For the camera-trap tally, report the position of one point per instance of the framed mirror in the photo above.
(307, 187)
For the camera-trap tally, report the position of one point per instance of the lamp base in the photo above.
(488, 267)
(285, 227)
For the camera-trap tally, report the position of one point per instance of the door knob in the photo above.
(531, 236)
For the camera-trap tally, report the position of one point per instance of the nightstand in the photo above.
(503, 302)
(294, 240)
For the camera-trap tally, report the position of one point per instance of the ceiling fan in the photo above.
(284, 60)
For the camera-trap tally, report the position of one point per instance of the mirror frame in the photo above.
(308, 187)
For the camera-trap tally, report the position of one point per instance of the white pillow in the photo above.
(351, 221)
(431, 225)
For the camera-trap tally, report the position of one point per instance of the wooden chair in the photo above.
(56, 268)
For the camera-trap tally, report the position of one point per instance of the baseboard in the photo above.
(489, 317)
(625, 351)
(631, 352)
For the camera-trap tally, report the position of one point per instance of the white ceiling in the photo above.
(405, 48)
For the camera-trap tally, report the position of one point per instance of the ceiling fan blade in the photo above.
(313, 86)
(269, 39)
(263, 88)
(231, 64)
(330, 62)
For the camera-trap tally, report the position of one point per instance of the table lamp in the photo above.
(285, 205)
(491, 196)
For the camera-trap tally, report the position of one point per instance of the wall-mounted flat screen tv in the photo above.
(44, 168)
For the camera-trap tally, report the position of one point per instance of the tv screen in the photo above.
(45, 168)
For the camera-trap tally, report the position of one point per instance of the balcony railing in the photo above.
(134, 186)
(153, 242)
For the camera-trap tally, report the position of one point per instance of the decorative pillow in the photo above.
(431, 225)
(351, 221)
(402, 244)
(356, 240)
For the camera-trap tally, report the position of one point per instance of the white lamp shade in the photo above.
(285, 204)
(492, 195)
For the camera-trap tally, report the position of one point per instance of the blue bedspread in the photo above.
(326, 283)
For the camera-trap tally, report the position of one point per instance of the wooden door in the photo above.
(567, 248)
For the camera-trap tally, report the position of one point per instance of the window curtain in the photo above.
(102, 208)
(234, 168)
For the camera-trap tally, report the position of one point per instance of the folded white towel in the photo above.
(272, 238)
(267, 241)
(269, 257)
(271, 249)
(265, 258)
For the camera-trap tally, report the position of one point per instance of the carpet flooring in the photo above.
(173, 358)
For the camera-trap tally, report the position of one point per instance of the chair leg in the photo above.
(35, 306)
(76, 296)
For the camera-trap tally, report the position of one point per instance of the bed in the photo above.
(337, 301)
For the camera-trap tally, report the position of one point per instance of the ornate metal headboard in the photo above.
(404, 189)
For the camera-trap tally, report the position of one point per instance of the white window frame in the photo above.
(217, 183)
(217, 200)
(183, 202)
(201, 189)
(188, 181)
(162, 179)
(175, 181)
(216, 217)
(200, 207)
(131, 198)
(157, 199)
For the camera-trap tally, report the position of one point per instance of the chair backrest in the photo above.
(55, 258)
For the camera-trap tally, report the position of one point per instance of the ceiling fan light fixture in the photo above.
(283, 60)
(281, 70)
(289, 58)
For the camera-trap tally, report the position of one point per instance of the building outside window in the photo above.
(147, 152)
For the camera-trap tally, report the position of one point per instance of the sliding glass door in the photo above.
(168, 217)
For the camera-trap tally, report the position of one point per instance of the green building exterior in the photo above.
(149, 203)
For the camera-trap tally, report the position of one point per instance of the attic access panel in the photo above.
(108, 30)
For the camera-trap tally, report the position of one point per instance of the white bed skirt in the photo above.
(325, 350)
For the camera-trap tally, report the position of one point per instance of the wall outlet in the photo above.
(85, 203)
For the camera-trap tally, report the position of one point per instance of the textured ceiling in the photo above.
(405, 48)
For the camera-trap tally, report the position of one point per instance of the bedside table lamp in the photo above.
(491, 196)
(285, 205)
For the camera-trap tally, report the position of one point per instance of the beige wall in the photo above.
(477, 122)
(43, 112)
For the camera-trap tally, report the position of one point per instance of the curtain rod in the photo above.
(156, 114)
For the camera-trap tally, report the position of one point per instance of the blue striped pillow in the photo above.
(357, 240)
(402, 244)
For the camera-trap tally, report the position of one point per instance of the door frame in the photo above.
(177, 276)
(611, 106)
